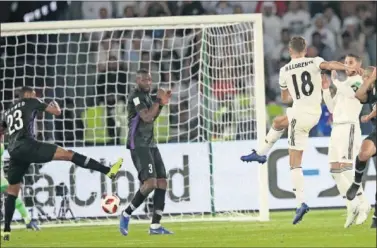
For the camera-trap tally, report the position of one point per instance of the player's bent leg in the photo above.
(368, 150)
(146, 188)
(144, 163)
(87, 163)
(159, 195)
(360, 205)
(10, 205)
(295, 159)
(280, 123)
(159, 205)
(343, 184)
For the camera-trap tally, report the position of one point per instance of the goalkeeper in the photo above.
(20, 206)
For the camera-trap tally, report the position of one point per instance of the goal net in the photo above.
(214, 66)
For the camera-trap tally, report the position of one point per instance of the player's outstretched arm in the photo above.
(329, 101)
(53, 108)
(337, 66)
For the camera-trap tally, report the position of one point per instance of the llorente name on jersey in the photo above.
(298, 65)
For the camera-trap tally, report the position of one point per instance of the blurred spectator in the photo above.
(333, 21)
(281, 51)
(125, 9)
(281, 7)
(319, 26)
(363, 12)
(97, 10)
(224, 8)
(369, 29)
(129, 12)
(108, 54)
(191, 8)
(312, 52)
(154, 8)
(348, 46)
(237, 9)
(317, 7)
(296, 19)
(167, 57)
(111, 89)
(69, 129)
(324, 50)
(271, 22)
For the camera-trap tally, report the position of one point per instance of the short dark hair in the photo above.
(142, 71)
(298, 44)
(25, 89)
(352, 55)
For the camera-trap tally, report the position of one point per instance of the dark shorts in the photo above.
(148, 163)
(372, 137)
(26, 153)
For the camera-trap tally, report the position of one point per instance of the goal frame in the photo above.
(203, 21)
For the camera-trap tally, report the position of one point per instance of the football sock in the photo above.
(135, 203)
(348, 173)
(341, 182)
(271, 138)
(88, 163)
(158, 206)
(10, 206)
(359, 170)
(298, 184)
(20, 206)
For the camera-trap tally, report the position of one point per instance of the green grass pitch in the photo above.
(320, 228)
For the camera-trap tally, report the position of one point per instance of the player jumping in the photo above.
(345, 137)
(300, 78)
(20, 206)
(25, 150)
(366, 94)
(142, 112)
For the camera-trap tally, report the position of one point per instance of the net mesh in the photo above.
(210, 71)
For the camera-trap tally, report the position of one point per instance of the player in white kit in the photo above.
(346, 137)
(301, 82)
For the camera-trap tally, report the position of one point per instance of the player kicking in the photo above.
(25, 150)
(366, 94)
(300, 78)
(20, 206)
(345, 137)
(142, 112)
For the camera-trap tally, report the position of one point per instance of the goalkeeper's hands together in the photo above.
(163, 96)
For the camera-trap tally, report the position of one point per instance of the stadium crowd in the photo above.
(104, 68)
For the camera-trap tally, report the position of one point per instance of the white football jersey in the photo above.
(344, 105)
(302, 78)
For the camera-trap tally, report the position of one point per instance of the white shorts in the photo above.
(345, 143)
(299, 127)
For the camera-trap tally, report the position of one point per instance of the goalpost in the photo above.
(214, 66)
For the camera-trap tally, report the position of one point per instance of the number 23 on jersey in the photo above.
(14, 121)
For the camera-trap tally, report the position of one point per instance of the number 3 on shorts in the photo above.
(150, 168)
